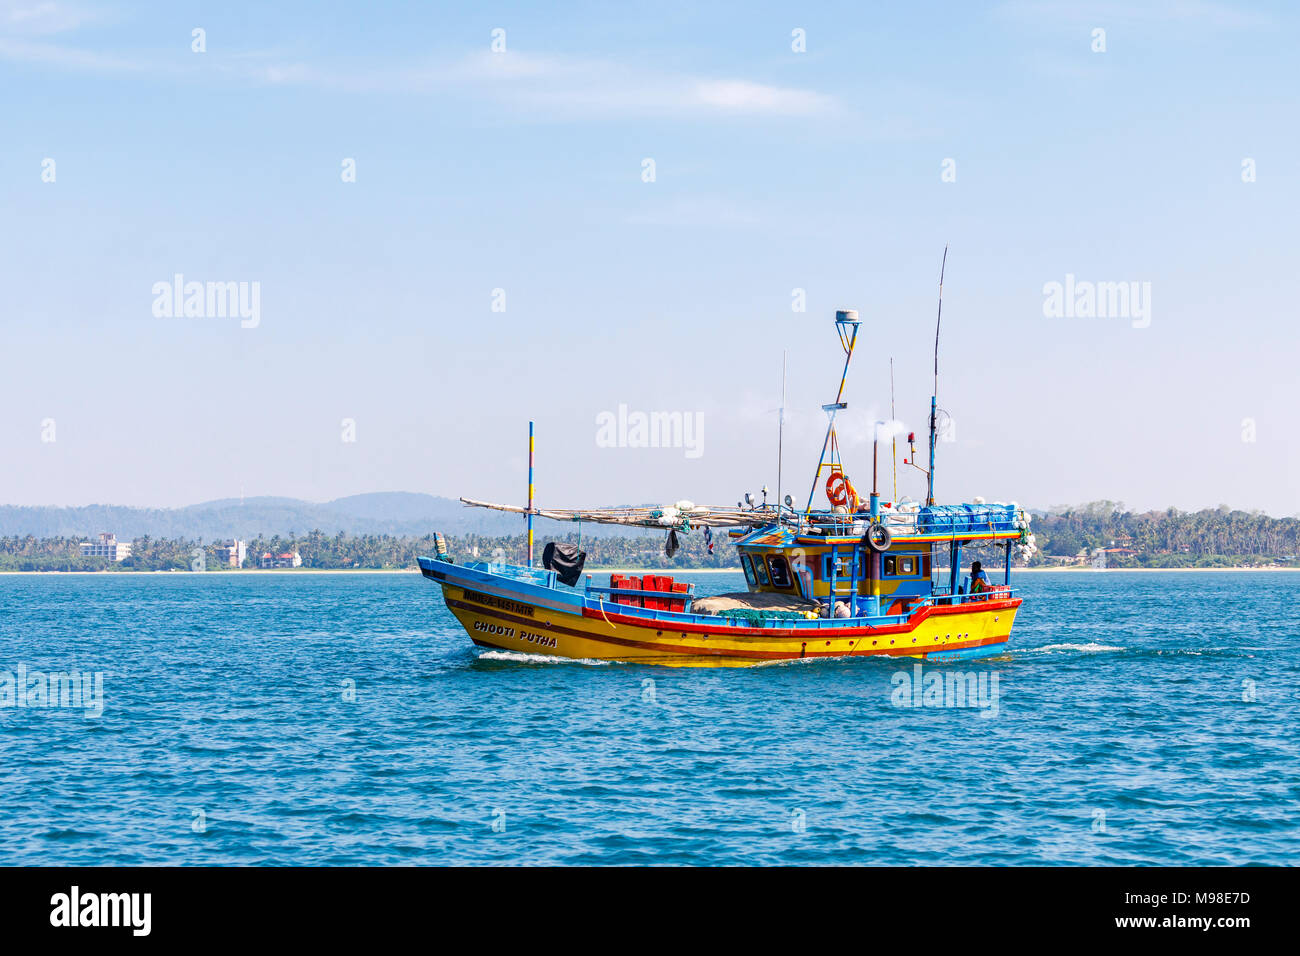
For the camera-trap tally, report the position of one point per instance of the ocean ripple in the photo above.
(347, 719)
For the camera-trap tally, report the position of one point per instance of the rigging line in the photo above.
(600, 601)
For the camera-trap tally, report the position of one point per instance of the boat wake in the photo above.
(1090, 648)
(1139, 652)
(798, 662)
(519, 657)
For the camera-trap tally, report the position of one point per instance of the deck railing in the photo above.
(611, 595)
(679, 602)
(943, 595)
(937, 519)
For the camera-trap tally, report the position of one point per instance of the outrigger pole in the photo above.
(530, 494)
(934, 395)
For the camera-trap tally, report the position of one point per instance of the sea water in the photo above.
(1135, 718)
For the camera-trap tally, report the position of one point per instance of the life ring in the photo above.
(840, 491)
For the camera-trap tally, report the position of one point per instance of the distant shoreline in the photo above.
(1014, 571)
(318, 571)
(243, 571)
(1269, 567)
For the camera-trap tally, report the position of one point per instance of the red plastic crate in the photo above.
(651, 583)
(675, 604)
(631, 583)
(665, 583)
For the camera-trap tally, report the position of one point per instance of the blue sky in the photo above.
(521, 170)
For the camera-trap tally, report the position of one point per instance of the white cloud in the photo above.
(24, 25)
(1208, 12)
(587, 87)
(703, 211)
(41, 17)
(539, 86)
(742, 96)
(65, 57)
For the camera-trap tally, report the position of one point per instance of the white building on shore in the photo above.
(106, 547)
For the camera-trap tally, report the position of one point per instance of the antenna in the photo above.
(934, 395)
(894, 424)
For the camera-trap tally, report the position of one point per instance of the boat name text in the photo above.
(503, 631)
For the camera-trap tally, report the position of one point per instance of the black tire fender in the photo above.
(879, 537)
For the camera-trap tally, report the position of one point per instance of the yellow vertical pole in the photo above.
(530, 493)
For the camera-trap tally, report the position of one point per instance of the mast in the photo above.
(934, 395)
(846, 324)
(875, 491)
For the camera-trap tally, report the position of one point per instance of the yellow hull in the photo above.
(935, 633)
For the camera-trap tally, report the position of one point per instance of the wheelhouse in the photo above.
(836, 564)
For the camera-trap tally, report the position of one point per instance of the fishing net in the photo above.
(752, 617)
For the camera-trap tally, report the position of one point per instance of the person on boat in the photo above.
(979, 580)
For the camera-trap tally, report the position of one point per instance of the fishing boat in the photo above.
(857, 577)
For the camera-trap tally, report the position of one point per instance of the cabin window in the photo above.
(748, 569)
(780, 571)
(759, 571)
(899, 565)
(843, 567)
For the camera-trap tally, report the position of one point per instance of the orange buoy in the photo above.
(840, 491)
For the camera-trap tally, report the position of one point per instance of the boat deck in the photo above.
(514, 583)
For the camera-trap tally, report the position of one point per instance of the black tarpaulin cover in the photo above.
(565, 560)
